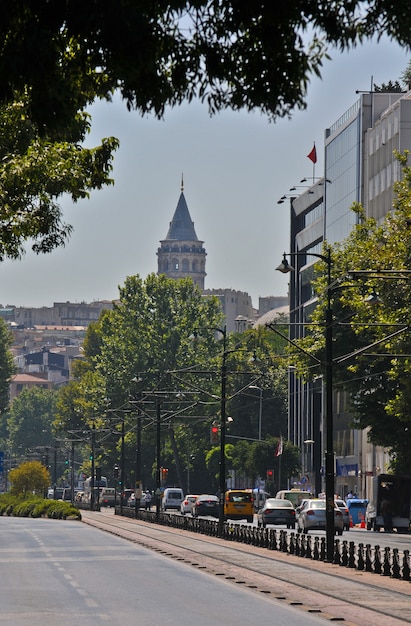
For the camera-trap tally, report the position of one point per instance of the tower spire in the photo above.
(182, 182)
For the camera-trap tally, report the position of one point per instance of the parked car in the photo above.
(342, 505)
(187, 504)
(205, 505)
(312, 516)
(276, 511)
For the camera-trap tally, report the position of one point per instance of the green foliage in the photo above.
(7, 367)
(230, 54)
(253, 459)
(35, 171)
(371, 344)
(30, 420)
(162, 337)
(29, 478)
(37, 507)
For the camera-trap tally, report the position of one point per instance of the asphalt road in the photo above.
(66, 572)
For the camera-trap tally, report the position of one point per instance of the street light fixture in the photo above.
(260, 411)
(285, 267)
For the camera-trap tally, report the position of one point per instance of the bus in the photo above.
(98, 486)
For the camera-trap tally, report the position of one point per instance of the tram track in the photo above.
(335, 593)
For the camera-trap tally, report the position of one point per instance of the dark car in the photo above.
(276, 511)
(205, 505)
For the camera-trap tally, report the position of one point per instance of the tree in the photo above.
(30, 420)
(57, 57)
(372, 346)
(35, 171)
(7, 367)
(135, 348)
(161, 343)
(157, 54)
(29, 478)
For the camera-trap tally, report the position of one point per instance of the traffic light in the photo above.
(98, 474)
(163, 473)
(116, 471)
(66, 462)
(214, 433)
(270, 476)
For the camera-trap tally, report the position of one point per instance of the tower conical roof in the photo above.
(182, 226)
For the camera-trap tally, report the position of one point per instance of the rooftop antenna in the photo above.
(182, 183)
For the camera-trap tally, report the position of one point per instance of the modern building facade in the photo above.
(359, 166)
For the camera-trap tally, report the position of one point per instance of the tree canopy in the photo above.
(227, 52)
(371, 343)
(7, 367)
(161, 349)
(30, 421)
(35, 171)
(29, 478)
(56, 58)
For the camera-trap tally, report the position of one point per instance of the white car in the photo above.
(187, 504)
(312, 516)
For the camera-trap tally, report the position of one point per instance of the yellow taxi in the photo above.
(239, 504)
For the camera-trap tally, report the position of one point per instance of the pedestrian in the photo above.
(147, 500)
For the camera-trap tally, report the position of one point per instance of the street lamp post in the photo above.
(260, 410)
(158, 462)
(285, 267)
(122, 465)
(93, 467)
(222, 432)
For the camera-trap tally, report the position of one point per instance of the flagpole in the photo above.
(279, 472)
(312, 155)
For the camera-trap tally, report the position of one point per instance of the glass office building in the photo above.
(358, 167)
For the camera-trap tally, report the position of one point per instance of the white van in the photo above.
(172, 498)
(294, 495)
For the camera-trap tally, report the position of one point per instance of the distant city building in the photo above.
(236, 306)
(28, 381)
(181, 253)
(61, 314)
(268, 303)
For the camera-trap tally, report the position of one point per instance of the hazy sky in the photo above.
(235, 165)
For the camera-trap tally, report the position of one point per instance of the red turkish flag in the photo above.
(313, 155)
